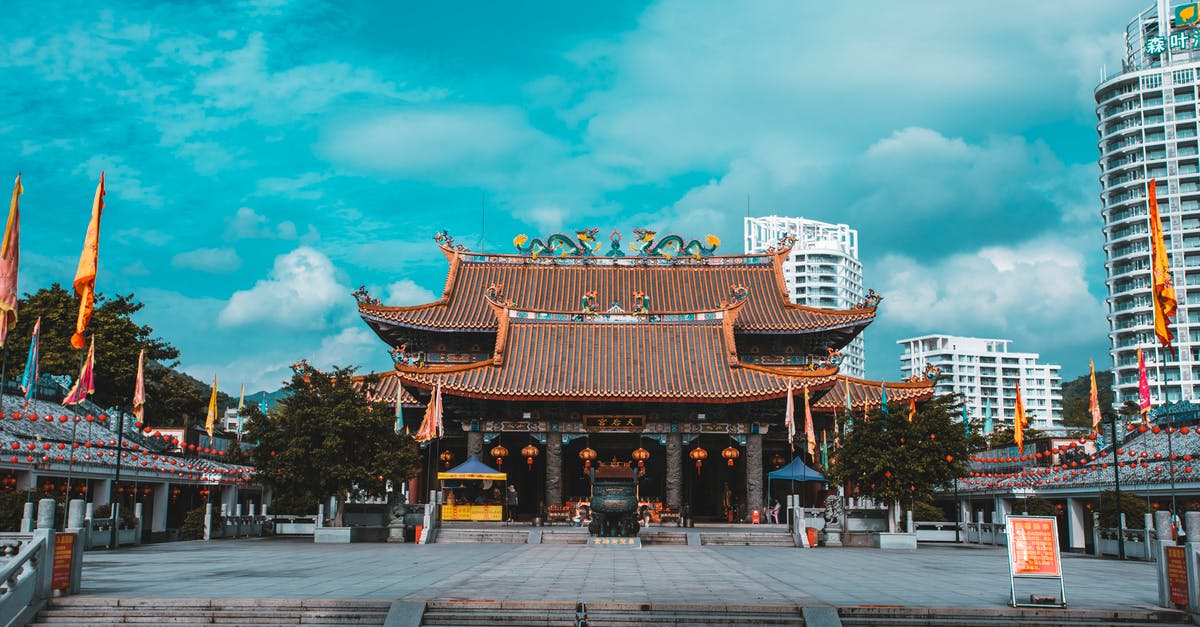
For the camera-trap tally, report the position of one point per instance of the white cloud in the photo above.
(1033, 292)
(468, 144)
(121, 181)
(247, 223)
(407, 292)
(301, 292)
(213, 260)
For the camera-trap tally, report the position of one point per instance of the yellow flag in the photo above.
(10, 259)
(1163, 293)
(85, 275)
(212, 409)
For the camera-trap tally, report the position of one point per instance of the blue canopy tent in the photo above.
(795, 471)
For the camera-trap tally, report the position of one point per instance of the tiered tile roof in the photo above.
(868, 394)
(384, 390)
(675, 285)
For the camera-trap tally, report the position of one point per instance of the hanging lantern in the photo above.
(587, 455)
(529, 452)
(640, 455)
(777, 460)
(446, 457)
(730, 453)
(699, 455)
(499, 452)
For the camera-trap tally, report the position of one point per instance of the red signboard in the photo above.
(1033, 547)
(64, 549)
(1177, 577)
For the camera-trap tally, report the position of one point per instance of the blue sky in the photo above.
(264, 158)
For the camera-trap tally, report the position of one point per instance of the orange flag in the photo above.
(85, 276)
(912, 409)
(139, 391)
(10, 258)
(1163, 293)
(431, 425)
(1019, 422)
(1094, 401)
(808, 426)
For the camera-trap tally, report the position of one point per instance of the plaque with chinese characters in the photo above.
(614, 423)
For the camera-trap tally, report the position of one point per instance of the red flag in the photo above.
(1143, 385)
(10, 258)
(1019, 422)
(1094, 402)
(85, 275)
(808, 426)
(139, 390)
(1163, 293)
(86, 383)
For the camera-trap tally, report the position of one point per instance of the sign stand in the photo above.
(1033, 553)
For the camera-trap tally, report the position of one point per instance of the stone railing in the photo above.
(235, 523)
(22, 577)
(28, 566)
(938, 531)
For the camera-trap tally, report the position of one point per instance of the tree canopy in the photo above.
(324, 439)
(172, 398)
(893, 460)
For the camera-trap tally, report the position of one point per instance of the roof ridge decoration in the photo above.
(645, 245)
(585, 244)
(871, 301)
(931, 374)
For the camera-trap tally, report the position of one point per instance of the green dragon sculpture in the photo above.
(586, 246)
(645, 245)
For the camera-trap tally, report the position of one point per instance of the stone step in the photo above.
(183, 612)
(981, 617)
(747, 539)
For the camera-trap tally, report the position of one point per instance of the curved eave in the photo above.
(865, 394)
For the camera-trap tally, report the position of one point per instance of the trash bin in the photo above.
(755, 517)
(410, 533)
(812, 536)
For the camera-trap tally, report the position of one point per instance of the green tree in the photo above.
(1077, 394)
(1134, 507)
(1004, 436)
(324, 439)
(172, 398)
(896, 461)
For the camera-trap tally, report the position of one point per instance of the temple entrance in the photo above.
(651, 485)
(714, 489)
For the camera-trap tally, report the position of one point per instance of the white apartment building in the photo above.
(1147, 127)
(986, 373)
(822, 271)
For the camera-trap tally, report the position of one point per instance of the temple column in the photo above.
(475, 444)
(754, 475)
(553, 469)
(674, 470)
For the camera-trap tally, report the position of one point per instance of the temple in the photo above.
(665, 355)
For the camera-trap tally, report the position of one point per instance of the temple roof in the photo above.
(384, 390)
(674, 285)
(867, 394)
(673, 361)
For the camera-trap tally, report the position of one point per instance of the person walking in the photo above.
(511, 501)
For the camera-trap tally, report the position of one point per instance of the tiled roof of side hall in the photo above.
(676, 285)
(384, 390)
(662, 362)
(868, 394)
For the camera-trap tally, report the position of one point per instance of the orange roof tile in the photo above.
(679, 285)
(867, 394)
(384, 389)
(585, 361)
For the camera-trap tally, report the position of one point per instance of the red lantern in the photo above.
(699, 455)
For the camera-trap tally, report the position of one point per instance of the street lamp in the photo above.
(1112, 423)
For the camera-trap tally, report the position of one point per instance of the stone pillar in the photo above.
(754, 475)
(554, 471)
(1191, 523)
(475, 444)
(45, 514)
(674, 471)
(98, 489)
(1076, 539)
(158, 516)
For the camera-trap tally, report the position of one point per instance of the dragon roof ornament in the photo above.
(584, 244)
(870, 302)
(645, 245)
(364, 297)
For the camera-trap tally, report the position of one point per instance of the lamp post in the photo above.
(1117, 485)
(115, 506)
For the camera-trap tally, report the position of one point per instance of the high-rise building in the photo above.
(986, 373)
(822, 271)
(1147, 127)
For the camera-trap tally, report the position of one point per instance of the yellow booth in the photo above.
(473, 491)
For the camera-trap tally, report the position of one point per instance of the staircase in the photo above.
(747, 538)
(89, 612)
(499, 535)
(86, 612)
(510, 614)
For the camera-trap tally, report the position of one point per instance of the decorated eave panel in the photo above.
(868, 395)
(538, 360)
(383, 390)
(676, 285)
